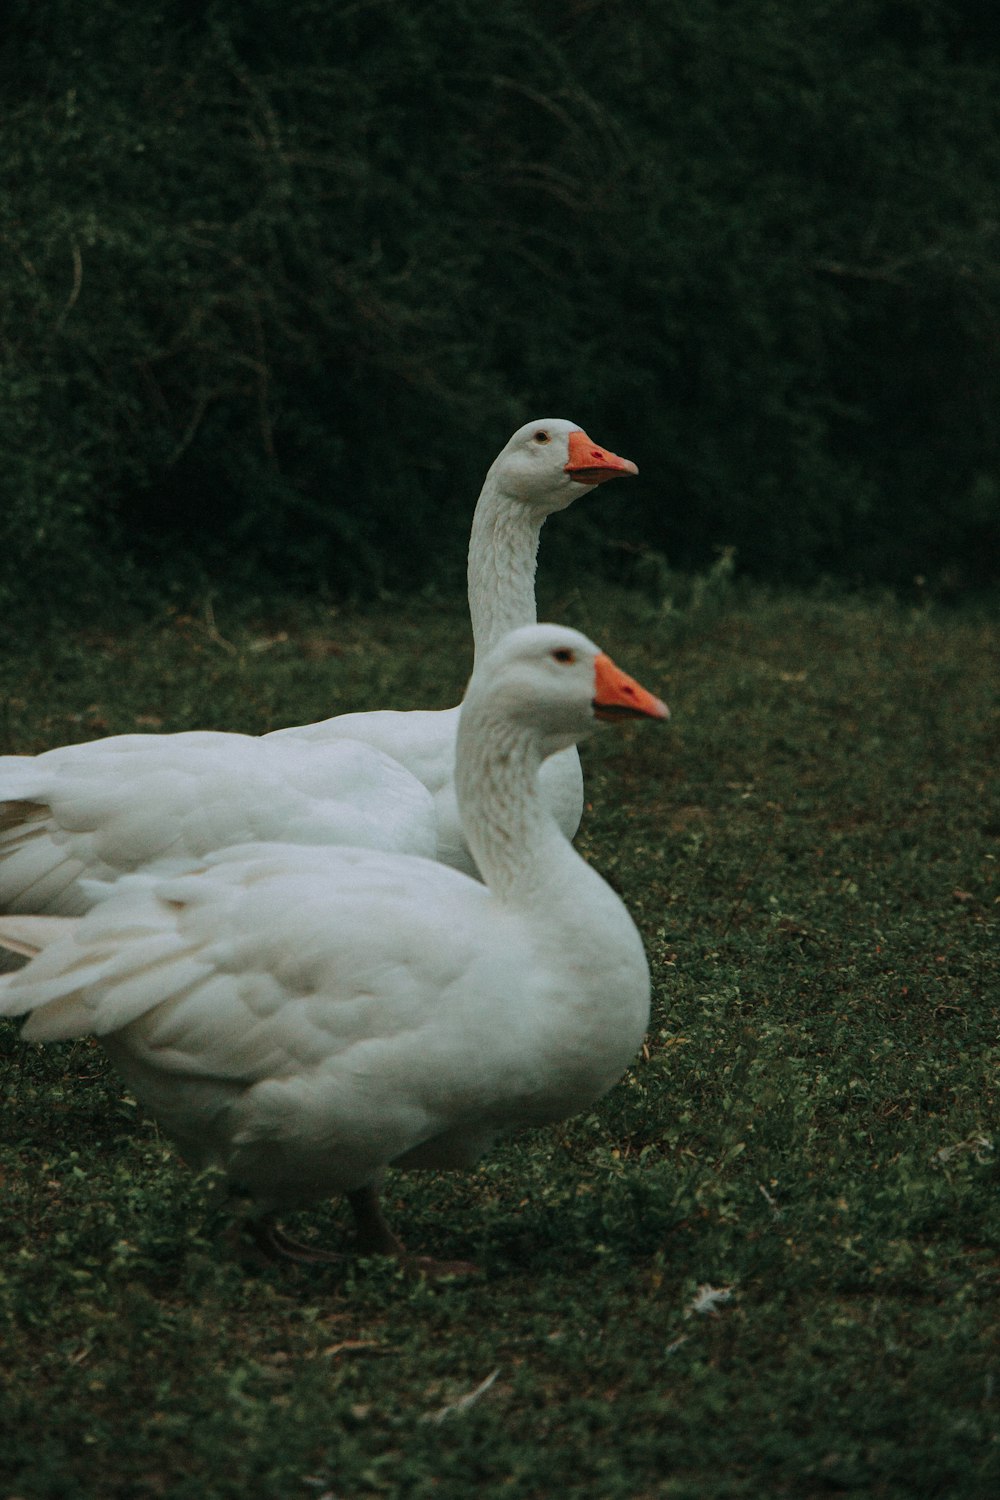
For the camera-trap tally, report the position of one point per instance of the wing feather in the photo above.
(103, 809)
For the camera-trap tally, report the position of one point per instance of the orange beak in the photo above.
(589, 464)
(618, 696)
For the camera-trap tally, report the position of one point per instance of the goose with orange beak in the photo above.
(301, 1019)
(542, 469)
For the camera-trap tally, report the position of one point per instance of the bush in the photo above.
(279, 282)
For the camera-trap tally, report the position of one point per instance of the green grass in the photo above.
(810, 849)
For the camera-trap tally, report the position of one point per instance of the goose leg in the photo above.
(376, 1238)
(277, 1245)
(374, 1235)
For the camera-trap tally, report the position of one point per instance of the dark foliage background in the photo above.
(277, 282)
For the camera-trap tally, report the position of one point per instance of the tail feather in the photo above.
(93, 982)
(39, 865)
(17, 810)
(27, 936)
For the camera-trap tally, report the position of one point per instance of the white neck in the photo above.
(581, 934)
(511, 832)
(522, 853)
(503, 549)
(584, 945)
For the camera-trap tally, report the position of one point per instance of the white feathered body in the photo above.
(303, 1018)
(98, 810)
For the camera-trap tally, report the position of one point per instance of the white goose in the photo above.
(304, 1018)
(93, 812)
(538, 472)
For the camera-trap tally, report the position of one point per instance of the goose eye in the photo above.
(564, 654)
(541, 436)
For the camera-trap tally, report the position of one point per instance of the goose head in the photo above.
(549, 462)
(557, 683)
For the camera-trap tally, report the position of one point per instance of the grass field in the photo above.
(767, 1264)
